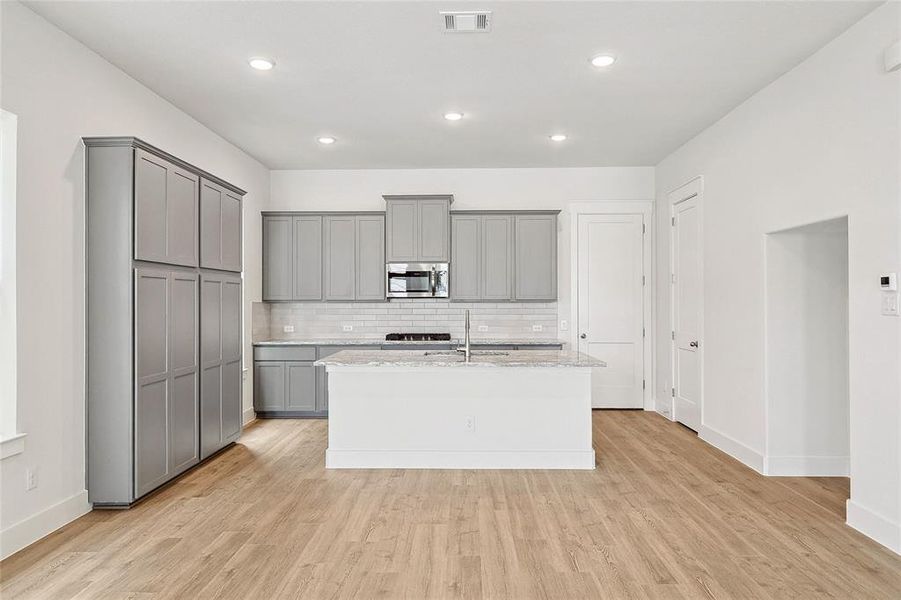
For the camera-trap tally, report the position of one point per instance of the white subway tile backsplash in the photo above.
(374, 320)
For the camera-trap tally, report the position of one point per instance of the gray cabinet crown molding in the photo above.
(475, 211)
(135, 142)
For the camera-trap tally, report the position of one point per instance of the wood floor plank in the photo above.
(664, 516)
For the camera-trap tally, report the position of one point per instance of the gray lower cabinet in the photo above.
(165, 205)
(166, 406)
(221, 361)
(269, 386)
(220, 227)
(144, 374)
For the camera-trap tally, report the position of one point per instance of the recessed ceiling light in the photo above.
(603, 60)
(453, 116)
(558, 137)
(326, 139)
(261, 64)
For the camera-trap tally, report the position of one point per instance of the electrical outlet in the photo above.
(483, 328)
(31, 478)
(564, 325)
(890, 304)
(469, 423)
(288, 328)
(537, 328)
(347, 328)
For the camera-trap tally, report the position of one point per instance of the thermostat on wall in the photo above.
(888, 283)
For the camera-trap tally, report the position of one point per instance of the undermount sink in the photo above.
(460, 354)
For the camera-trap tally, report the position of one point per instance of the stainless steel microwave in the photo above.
(416, 280)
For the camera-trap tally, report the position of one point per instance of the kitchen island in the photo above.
(435, 410)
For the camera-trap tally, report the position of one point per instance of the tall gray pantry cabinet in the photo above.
(164, 352)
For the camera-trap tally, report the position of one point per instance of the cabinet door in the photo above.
(340, 257)
(402, 230)
(536, 257)
(465, 264)
(497, 257)
(301, 384)
(433, 231)
(269, 386)
(183, 387)
(370, 257)
(308, 258)
(220, 227)
(165, 205)
(277, 254)
(152, 348)
(232, 359)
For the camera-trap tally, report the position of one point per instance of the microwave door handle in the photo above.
(432, 277)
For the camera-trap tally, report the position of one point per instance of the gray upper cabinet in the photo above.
(417, 228)
(307, 258)
(536, 257)
(497, 257)
(370, 263)
(165, 208)
(278, 265)
(340, 257)
(220, 227)
(465, 262)
(220, 360)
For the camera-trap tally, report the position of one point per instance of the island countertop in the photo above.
(480, 358)
(400, 343)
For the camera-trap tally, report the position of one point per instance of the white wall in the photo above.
(550, 188)
(820, 142)
(62, 91)
(808, 408)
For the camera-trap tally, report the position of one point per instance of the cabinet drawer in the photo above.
(284, 353)
(324, 351)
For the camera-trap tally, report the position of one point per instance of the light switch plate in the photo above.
(288, 328)
(890, 304)
(537, 328)
(483, 328)
(347, 328)
(564, 325)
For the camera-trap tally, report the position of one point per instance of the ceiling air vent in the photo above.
(469, 21)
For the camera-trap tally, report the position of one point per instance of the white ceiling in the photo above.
(379, 75)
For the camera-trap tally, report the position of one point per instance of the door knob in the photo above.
(694, 344)
(583, 336)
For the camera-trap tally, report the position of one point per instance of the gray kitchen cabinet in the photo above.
(278, 244)
(497, 257)
(370, 262)
(417, 228)
(300, 386)
(536, 257)
(307, 257)
(166, 415)
(165, 207)
(322, 375)
(466, 263)
(339, 257)
(269, 386)
(221, 361)
(220, 227)
(143, 371)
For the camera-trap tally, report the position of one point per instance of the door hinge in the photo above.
(643, 228)
(642, 332)
(642, 280)
(673, 392)
(642, 384)
(673, 221)
(674, 335)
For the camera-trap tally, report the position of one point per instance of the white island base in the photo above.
(396, 417)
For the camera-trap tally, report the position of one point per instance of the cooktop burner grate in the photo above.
(418, 337)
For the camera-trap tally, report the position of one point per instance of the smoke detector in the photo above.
(467, 21)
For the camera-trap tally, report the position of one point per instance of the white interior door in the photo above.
(611, 307)
(687, 313)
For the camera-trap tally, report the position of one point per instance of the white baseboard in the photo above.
(249, 415)
(24, 533)
(551, 459)
(874, 525)
(807, 466)
(732, 447)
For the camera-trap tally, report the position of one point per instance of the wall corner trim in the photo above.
(893, 57)
(43, 523)
(249, 416)
(737, 450)
(874, 526)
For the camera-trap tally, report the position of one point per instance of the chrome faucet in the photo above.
(465, 348)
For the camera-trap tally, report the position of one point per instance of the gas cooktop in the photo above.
(418, 337)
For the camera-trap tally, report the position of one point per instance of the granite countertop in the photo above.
(381, 342)
(418, 358)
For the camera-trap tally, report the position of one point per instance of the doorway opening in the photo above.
(807, 356)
